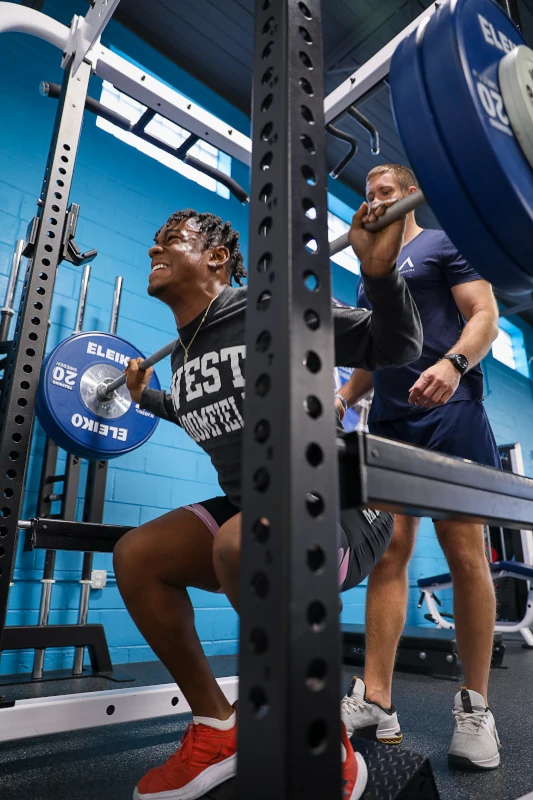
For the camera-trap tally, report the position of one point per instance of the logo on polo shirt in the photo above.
(407, 266)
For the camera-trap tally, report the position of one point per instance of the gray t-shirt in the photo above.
(207, 395)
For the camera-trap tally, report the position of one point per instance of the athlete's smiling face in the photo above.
(179, 258)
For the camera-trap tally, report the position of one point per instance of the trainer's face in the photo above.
(382, 187)
(179, 258)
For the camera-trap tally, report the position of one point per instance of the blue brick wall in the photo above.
(124, 197)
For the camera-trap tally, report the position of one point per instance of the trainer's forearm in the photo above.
(357, 388)
(477, 337)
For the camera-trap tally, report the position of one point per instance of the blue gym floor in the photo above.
(105, 763)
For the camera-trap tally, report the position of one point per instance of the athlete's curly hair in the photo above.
(216, 233)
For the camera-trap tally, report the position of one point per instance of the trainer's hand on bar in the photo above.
(137, 379)
(377, 252)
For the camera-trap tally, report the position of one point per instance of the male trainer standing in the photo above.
(435, 402)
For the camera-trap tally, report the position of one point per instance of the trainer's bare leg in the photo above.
(386, 609)
(474, 603)
(153, 565)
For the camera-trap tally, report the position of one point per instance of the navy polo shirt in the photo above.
(431, 266)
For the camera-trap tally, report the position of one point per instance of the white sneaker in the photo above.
(475, 743)
(367, 719)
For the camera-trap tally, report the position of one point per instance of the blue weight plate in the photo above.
(461, 51)
(440, 184)
(67, 406)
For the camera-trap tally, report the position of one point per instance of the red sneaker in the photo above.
(205, 758)
(354, 771)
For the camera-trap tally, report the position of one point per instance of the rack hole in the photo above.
(259, 702)
(311, 281)
(17, 437)
(309, 175)
(5, 512)
(269, 26)
(48, 248)
(315, 504)
(110, 710)
(262, 431)
(311, 244)
(316, 615)
(305, 11)
(11, 474)
(263, 301)
(50, 234)
(261, 479)
(261, 530)
(266, 132)
(174, 702)
(62, 171)
(52, 221)
(264, 263)
(56, 209)
(317, 737)
(33, 336)
(24, 385)
(262, 343)
(8, 493)
(3, 531)
(307, 114)
(306, 36)
(259, 641)
(312, 320)
(309, 208)
(267, 50)
(64, 159)
(2, 552)
(308, 143)
(262, 385)
(40, 290)
(66, 147)
(267, 102)
(266, 161)
(260, 584)
(38, 305)
(35, 321)
(316, 675)
(266, 191)
(306, 61)
(314, 454)
(312, 362)
(267, 76)
(316, 558)
(306, 86)
(27, 368)
(264, 226)
(60, 183)
(19, 419)
(58, 195)
(313, 406)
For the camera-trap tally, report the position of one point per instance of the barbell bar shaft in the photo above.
(398, 210)
(395, 212)
(105, 390)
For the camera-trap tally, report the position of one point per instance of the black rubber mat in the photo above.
(105, 763)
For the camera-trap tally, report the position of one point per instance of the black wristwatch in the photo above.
(459, 361)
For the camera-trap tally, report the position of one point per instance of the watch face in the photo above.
(461, 361)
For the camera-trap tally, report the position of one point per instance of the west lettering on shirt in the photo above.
(212, 373)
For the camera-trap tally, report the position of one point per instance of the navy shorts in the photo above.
(456, 429)
(363, 536)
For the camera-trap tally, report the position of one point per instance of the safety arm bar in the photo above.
(53, 90)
